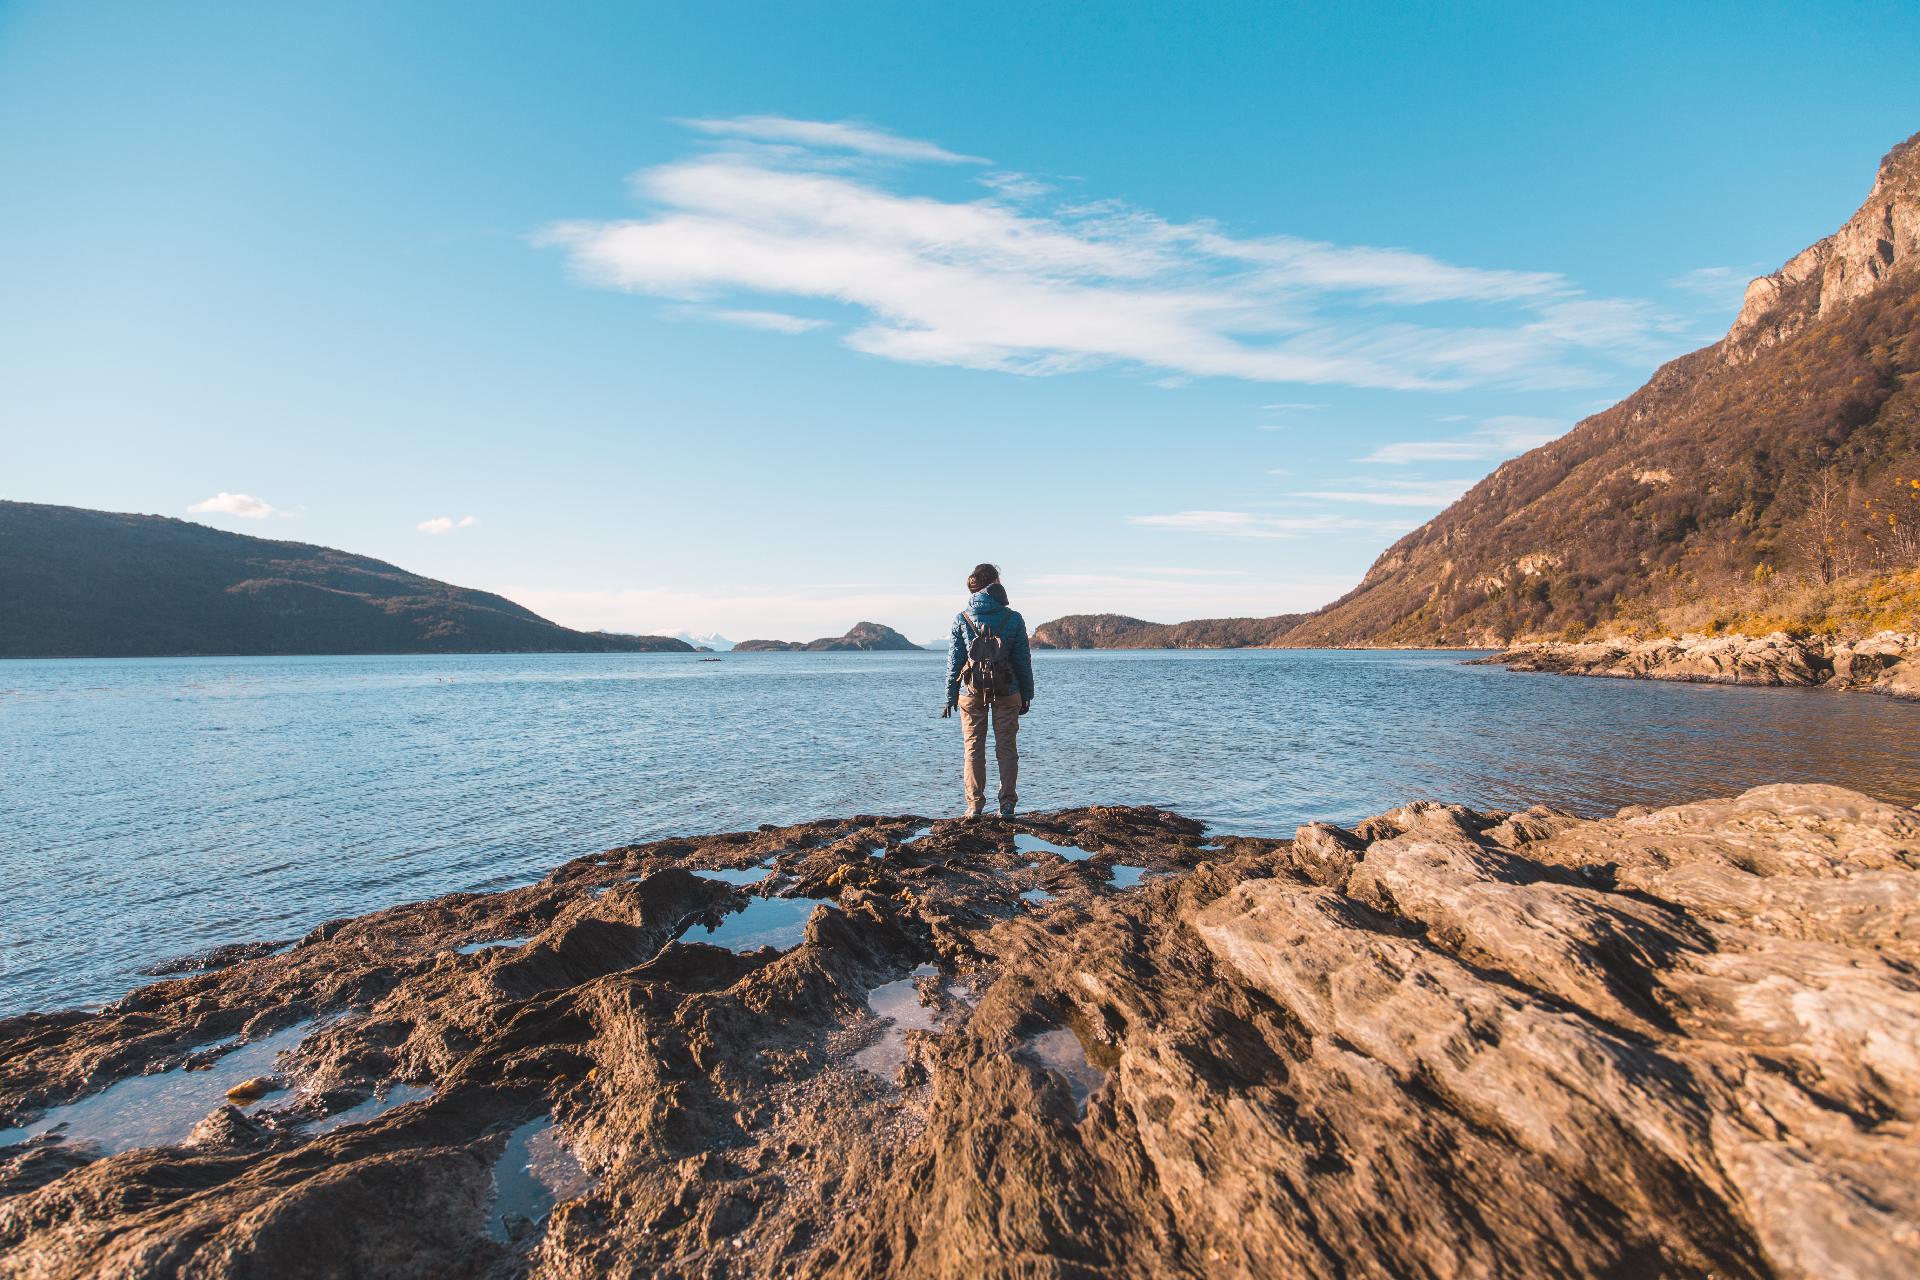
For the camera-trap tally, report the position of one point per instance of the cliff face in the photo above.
(1774, 458)
(1681, 1043)
(79, 583)
(1117, 631)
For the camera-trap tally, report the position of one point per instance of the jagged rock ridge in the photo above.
(1682, 1043)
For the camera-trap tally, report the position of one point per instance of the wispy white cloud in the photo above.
(1395, 493)
(1500, 437)
(1009, 285)
(841, 135)
(447, 524)
(1016, 186)
(770, 321)
(1719, 287)
(1248, 524)
(243, 505)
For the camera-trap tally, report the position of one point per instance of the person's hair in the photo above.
(982, 577)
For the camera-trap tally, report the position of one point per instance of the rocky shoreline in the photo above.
(1887, 662)
(1683, 1042)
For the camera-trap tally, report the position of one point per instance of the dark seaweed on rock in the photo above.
(1678, 1043)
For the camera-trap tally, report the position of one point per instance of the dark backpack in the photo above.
(989, 667)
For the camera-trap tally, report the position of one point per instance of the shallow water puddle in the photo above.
(1037, 896)
(158, 1110)
(1061, 1052)
(735, 875)
(489, 945)
(899, 1003)
(533, 1174)
(1125, 877)
(918, 833)
(763, 922)
(1024, 843)
(396, 1095)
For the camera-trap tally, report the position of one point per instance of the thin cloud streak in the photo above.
(843, 135)
(1395, 493)
(1246, 524)
(1496, 438)
(243, 505)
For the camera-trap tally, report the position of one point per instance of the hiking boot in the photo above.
(1006, 810)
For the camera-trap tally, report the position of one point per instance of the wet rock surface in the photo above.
(1887, 662)
(1443, 1043)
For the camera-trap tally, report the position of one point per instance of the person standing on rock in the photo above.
(990, 679)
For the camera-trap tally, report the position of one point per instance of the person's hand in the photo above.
(946, 711)
(1026, 705)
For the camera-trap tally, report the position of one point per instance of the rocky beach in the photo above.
(1097, 1042)
(1887, 662)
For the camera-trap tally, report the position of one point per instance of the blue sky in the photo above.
(766, 319)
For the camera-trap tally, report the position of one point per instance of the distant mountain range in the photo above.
(863, 636)
(715, 643)
(1769, 480)
(80, 583)
(1117, 631)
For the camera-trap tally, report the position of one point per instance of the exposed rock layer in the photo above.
(1676, 1043)
(1886, 663)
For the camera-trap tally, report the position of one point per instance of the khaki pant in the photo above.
(1005, 713)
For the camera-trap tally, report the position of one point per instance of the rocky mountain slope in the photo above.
(1117, 631)
(1682, 1043)
(862, 636)
(1784, 457)
(80, 583)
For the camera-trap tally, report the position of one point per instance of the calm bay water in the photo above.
(150, 808)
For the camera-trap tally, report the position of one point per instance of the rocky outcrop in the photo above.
(863, 636)
(1888, 662)
(1440, 1043)
(1882, 238)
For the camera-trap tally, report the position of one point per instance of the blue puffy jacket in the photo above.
(985, 611)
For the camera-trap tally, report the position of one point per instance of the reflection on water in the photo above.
(157, 1110)
(763, 922)
(899, 1003)
(1061, 1052)
(395, 1095)
(202, 801)
(534, 1173)
(1036, 895)
(735, 875)
(488, 945)
(1125, 877)
(1024, 843)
